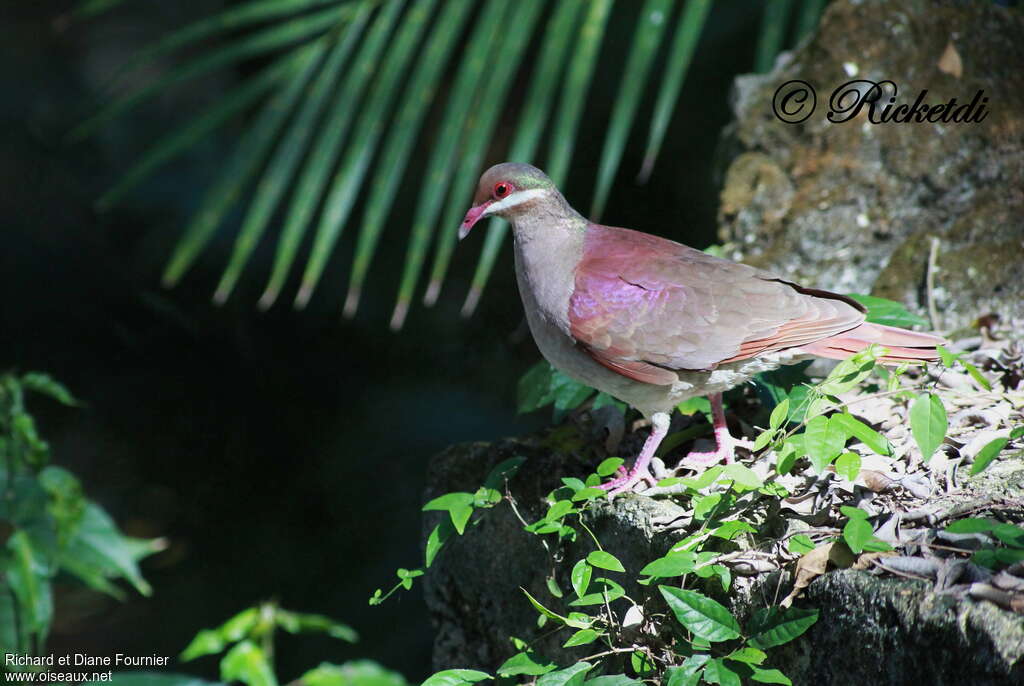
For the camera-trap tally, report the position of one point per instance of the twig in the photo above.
(933, 259)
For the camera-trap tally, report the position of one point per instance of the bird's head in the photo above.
(505, 190)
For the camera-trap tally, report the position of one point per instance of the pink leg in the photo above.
(639, 472)
(725, 443)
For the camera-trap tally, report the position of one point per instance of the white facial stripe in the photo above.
(517, 198)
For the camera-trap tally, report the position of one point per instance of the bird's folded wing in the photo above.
(644, 306)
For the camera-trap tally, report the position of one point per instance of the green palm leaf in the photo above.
(443, 158)
(369, 129)
(507, 57)
(348, 90)
(691, 24)
(531, 125)
(282, 166)
(318, 168)
(407, 124)
(267, 40)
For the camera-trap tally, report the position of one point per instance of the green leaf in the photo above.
(134, 678)
(610, 591)
(308, 194)
(718, 672)
(985, 456)
(225, 107)
(280, 169)
(857, 532)
(418, 94)
(801, 544)
(604, 560)
(97, 551)
(354, 673)
(779, 414)
(455, 677)
(581, 637)
(541, 609)
(368, 130)
(527, 663)
(848, 466)
(823, 440)
(673, 564)
(206, 642)
(888, 312)
(534, 388)
(1016, 433)
(507, 56)
(862, 432)
(641, 663)
(763, 439)
(612, 680)
(47, 385)
(774, 626)
(28, 577)
(646, 38)
(769, 676)
(570, 676)
(688, 32)
(928, 423)
(609, 466)
(440, 170)
(742, 475)
(695, 405)
(580, 577)
(308, 623)
(747, 655)
(449, 502)
(275, 36)
(850, 372)
(588, 493)
(247, 663)
(704, 617)
(729, 530)
(230, 19)
(436, 540)
(503, 471)
(972, 525)
(586, 49)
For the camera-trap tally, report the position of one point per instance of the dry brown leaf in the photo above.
(876, 481)
(866, 560)
(950, 62)
(815, 563)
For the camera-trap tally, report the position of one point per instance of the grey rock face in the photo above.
(855, 206)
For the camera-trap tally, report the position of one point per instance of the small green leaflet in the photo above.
(928, 423)
(580, 577)
(603, 560)
(985, 456)
(888, 312)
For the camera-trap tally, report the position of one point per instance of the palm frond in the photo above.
(347, 92)
(774, 22)
(505, 62)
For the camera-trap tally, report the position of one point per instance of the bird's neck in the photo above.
(548, 245)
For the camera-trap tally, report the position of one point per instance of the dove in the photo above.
(653, 322)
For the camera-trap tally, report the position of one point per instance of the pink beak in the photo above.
(472, 217)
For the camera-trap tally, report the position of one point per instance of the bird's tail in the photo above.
(902, 344)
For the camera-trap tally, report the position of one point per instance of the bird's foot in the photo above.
(626, 480)
(725, 451)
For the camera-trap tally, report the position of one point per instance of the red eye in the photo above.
(501, 190)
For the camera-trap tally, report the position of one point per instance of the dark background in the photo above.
(282, 454)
